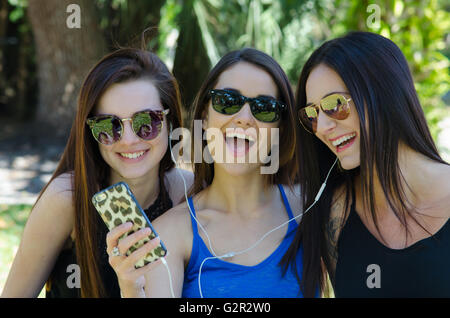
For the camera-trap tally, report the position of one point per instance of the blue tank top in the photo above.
(221, 279)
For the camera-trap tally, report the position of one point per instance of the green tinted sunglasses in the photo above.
(228, 102)
(108, 129)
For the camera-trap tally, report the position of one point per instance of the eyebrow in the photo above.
(331, 93)
(139, 111)
(239, 92)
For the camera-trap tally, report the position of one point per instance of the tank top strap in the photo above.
(193, 216)
(292, 225)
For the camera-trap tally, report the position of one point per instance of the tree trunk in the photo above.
(191, 64)
(64, 57)
(127, 23)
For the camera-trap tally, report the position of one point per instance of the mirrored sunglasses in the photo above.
(265, 109)
(108, 129)
(335, 106)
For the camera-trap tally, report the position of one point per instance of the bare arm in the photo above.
(152, 280)
(174, 229)
(47, 229)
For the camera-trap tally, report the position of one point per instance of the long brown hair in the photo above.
(82, 157)
(204, 172)
(377, 77)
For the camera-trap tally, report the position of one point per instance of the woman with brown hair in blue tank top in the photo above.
(384, 229)
(228, 239)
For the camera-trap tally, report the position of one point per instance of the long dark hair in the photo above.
(82, 156)
(204, 172)
(379, 81)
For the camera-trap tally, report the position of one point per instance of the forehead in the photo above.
(249, 79)
(125, 99)
(321, 81)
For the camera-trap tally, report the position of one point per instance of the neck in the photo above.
(418, 180)
(242, 194)
(425, 180)
(145, 189)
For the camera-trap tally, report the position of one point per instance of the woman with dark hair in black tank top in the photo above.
(384, 229)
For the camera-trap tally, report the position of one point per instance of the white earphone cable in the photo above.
(231, 254)
(163, 259)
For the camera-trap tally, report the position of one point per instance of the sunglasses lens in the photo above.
(107, 130)
(146, 125)
(226, 103)
(265, 110)
(335, 106)
(308, 117)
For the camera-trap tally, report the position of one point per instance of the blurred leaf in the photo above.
(16, 14)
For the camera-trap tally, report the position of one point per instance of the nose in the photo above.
(244, 117)
(325, 124)
(128, 135)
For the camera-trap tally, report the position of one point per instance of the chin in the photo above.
(239, 169)
(349, 163)
(136, 171)
(130, 174)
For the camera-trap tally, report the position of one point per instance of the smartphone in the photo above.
(117, 205)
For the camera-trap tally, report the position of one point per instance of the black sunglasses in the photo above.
(228, 102)
(108, 129)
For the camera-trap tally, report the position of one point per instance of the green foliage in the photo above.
(279, 28)
(168, 31)
(288, 30)
(13, 218)
(419, 28)
(19, 9)
(123, 21)
(12, 222)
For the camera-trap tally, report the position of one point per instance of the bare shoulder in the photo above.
(174, 229)
(47, 229)
(175, 217)
(55, 206)
(176, 180)
(440, 192)
(58, 194)
(61, 184)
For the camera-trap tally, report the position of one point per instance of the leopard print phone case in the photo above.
(117, 205)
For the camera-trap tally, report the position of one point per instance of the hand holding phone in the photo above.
(117, 205)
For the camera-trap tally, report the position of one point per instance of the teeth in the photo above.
(339, 141)
(240, 136)
(132, 155)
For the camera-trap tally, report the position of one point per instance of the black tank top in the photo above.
(366, 268)
(62, 284)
